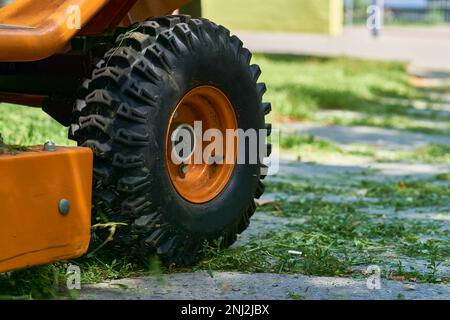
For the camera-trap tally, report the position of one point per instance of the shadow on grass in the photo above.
(293, 58)
(311, 98)
(300, 86)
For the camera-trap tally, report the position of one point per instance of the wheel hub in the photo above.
(200, 181)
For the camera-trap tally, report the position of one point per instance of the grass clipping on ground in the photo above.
(341, 238)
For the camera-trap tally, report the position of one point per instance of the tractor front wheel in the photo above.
(165, 74)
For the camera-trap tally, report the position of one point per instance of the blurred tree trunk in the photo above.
(193, 8)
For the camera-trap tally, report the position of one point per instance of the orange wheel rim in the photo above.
(201, 182)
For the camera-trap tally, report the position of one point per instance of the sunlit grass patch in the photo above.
(308, 147)
(26, 126)
(310, 83)
(301, 86)
(408, 194)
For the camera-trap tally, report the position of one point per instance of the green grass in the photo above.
(443, 177)
(32, 283)
(296, 296)
(337, 237)
(431, 153)
(30, 126)
(408, 194)
(304, 186)
(307, 147)
(301, 86)
(45, 282)
(398, 195)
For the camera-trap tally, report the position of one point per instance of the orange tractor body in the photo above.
(130, 79)
(32, 30)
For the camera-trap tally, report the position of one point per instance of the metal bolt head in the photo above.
(64, 207)
(182, 169)
(50, 146)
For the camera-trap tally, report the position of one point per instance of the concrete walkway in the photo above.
(241, 286)
(427, 47)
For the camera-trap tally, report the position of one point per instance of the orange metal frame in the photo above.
(32, 229)
(41, 27)
(34, 30)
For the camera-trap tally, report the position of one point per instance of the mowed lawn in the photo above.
(334, 235)
(25, 126)
(348, 92)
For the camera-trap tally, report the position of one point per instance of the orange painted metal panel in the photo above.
(32, 183)
(38, 29)
(127, 12)
(34, 30)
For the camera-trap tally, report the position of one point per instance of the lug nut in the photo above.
(183, 170)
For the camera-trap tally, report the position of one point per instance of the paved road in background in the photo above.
(426, 47)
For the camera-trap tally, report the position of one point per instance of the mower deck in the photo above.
(45, 205)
